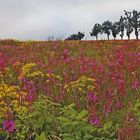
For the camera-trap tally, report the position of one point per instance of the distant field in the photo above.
(70, 90)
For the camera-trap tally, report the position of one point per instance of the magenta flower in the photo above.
(135, 84)
(94, 121)
(121, 83)
(118, 105)
(92, 97)
(9, 125)
(106, 108)
(29, 87)
(3, 61)
(110, 93)
(65, 54)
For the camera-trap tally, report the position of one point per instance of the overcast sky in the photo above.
(37, 19)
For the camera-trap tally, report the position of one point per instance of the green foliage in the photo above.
(73, 125)
(136, 109)
(41, 118)
(40, 137)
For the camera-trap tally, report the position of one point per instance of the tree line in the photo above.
(128, 23)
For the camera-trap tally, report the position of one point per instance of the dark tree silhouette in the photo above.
(97, 29)
(115, 29)
(80, 35)
(106, 28)
(77, 36)
(128, 23)
(136, 22)
(121, 26)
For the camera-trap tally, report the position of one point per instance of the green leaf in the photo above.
(78, 134)
(112, 134)
(41, 137)
(87, 136)
(49, 118)
(68, 138)
(107, 125)
(82, 114)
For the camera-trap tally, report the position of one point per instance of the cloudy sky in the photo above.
(38, 19)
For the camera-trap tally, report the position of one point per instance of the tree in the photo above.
(72, 37)
(121, 26)
(96, 30)
(106, 28)
(128, 23)
(136, 22)
(77, 36)
(115, 29)
(80, 35)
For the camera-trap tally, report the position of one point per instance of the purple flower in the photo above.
(92, 97)
(94, 121)
(9, 125)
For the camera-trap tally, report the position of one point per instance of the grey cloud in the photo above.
(37, 19)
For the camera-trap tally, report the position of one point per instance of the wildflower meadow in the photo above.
(70, 90)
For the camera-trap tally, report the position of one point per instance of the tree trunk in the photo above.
(96, 37)
(122, 34)
(136, 34)
(121, 37)
(108, 37)
(114, 37)
(128, 37)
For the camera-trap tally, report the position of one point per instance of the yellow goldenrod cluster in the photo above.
(29, 71)
(19, 105)
(1, 77)
(51, 75)
(82, 84)
(26, 69)
(35, 74)
(11, 99)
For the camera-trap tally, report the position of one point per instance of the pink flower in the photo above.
(135, 84)
(65, 54)
(92, 97)
(118, 105)
(107, 108)
(94, 121)
(29, 87)
(110, 93)
(3, 61)
(9, 125)
(121, 82)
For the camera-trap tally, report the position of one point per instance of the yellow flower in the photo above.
(26, 69)
(11, 93)
(35, 74)
(29, 71)
(82, 85)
